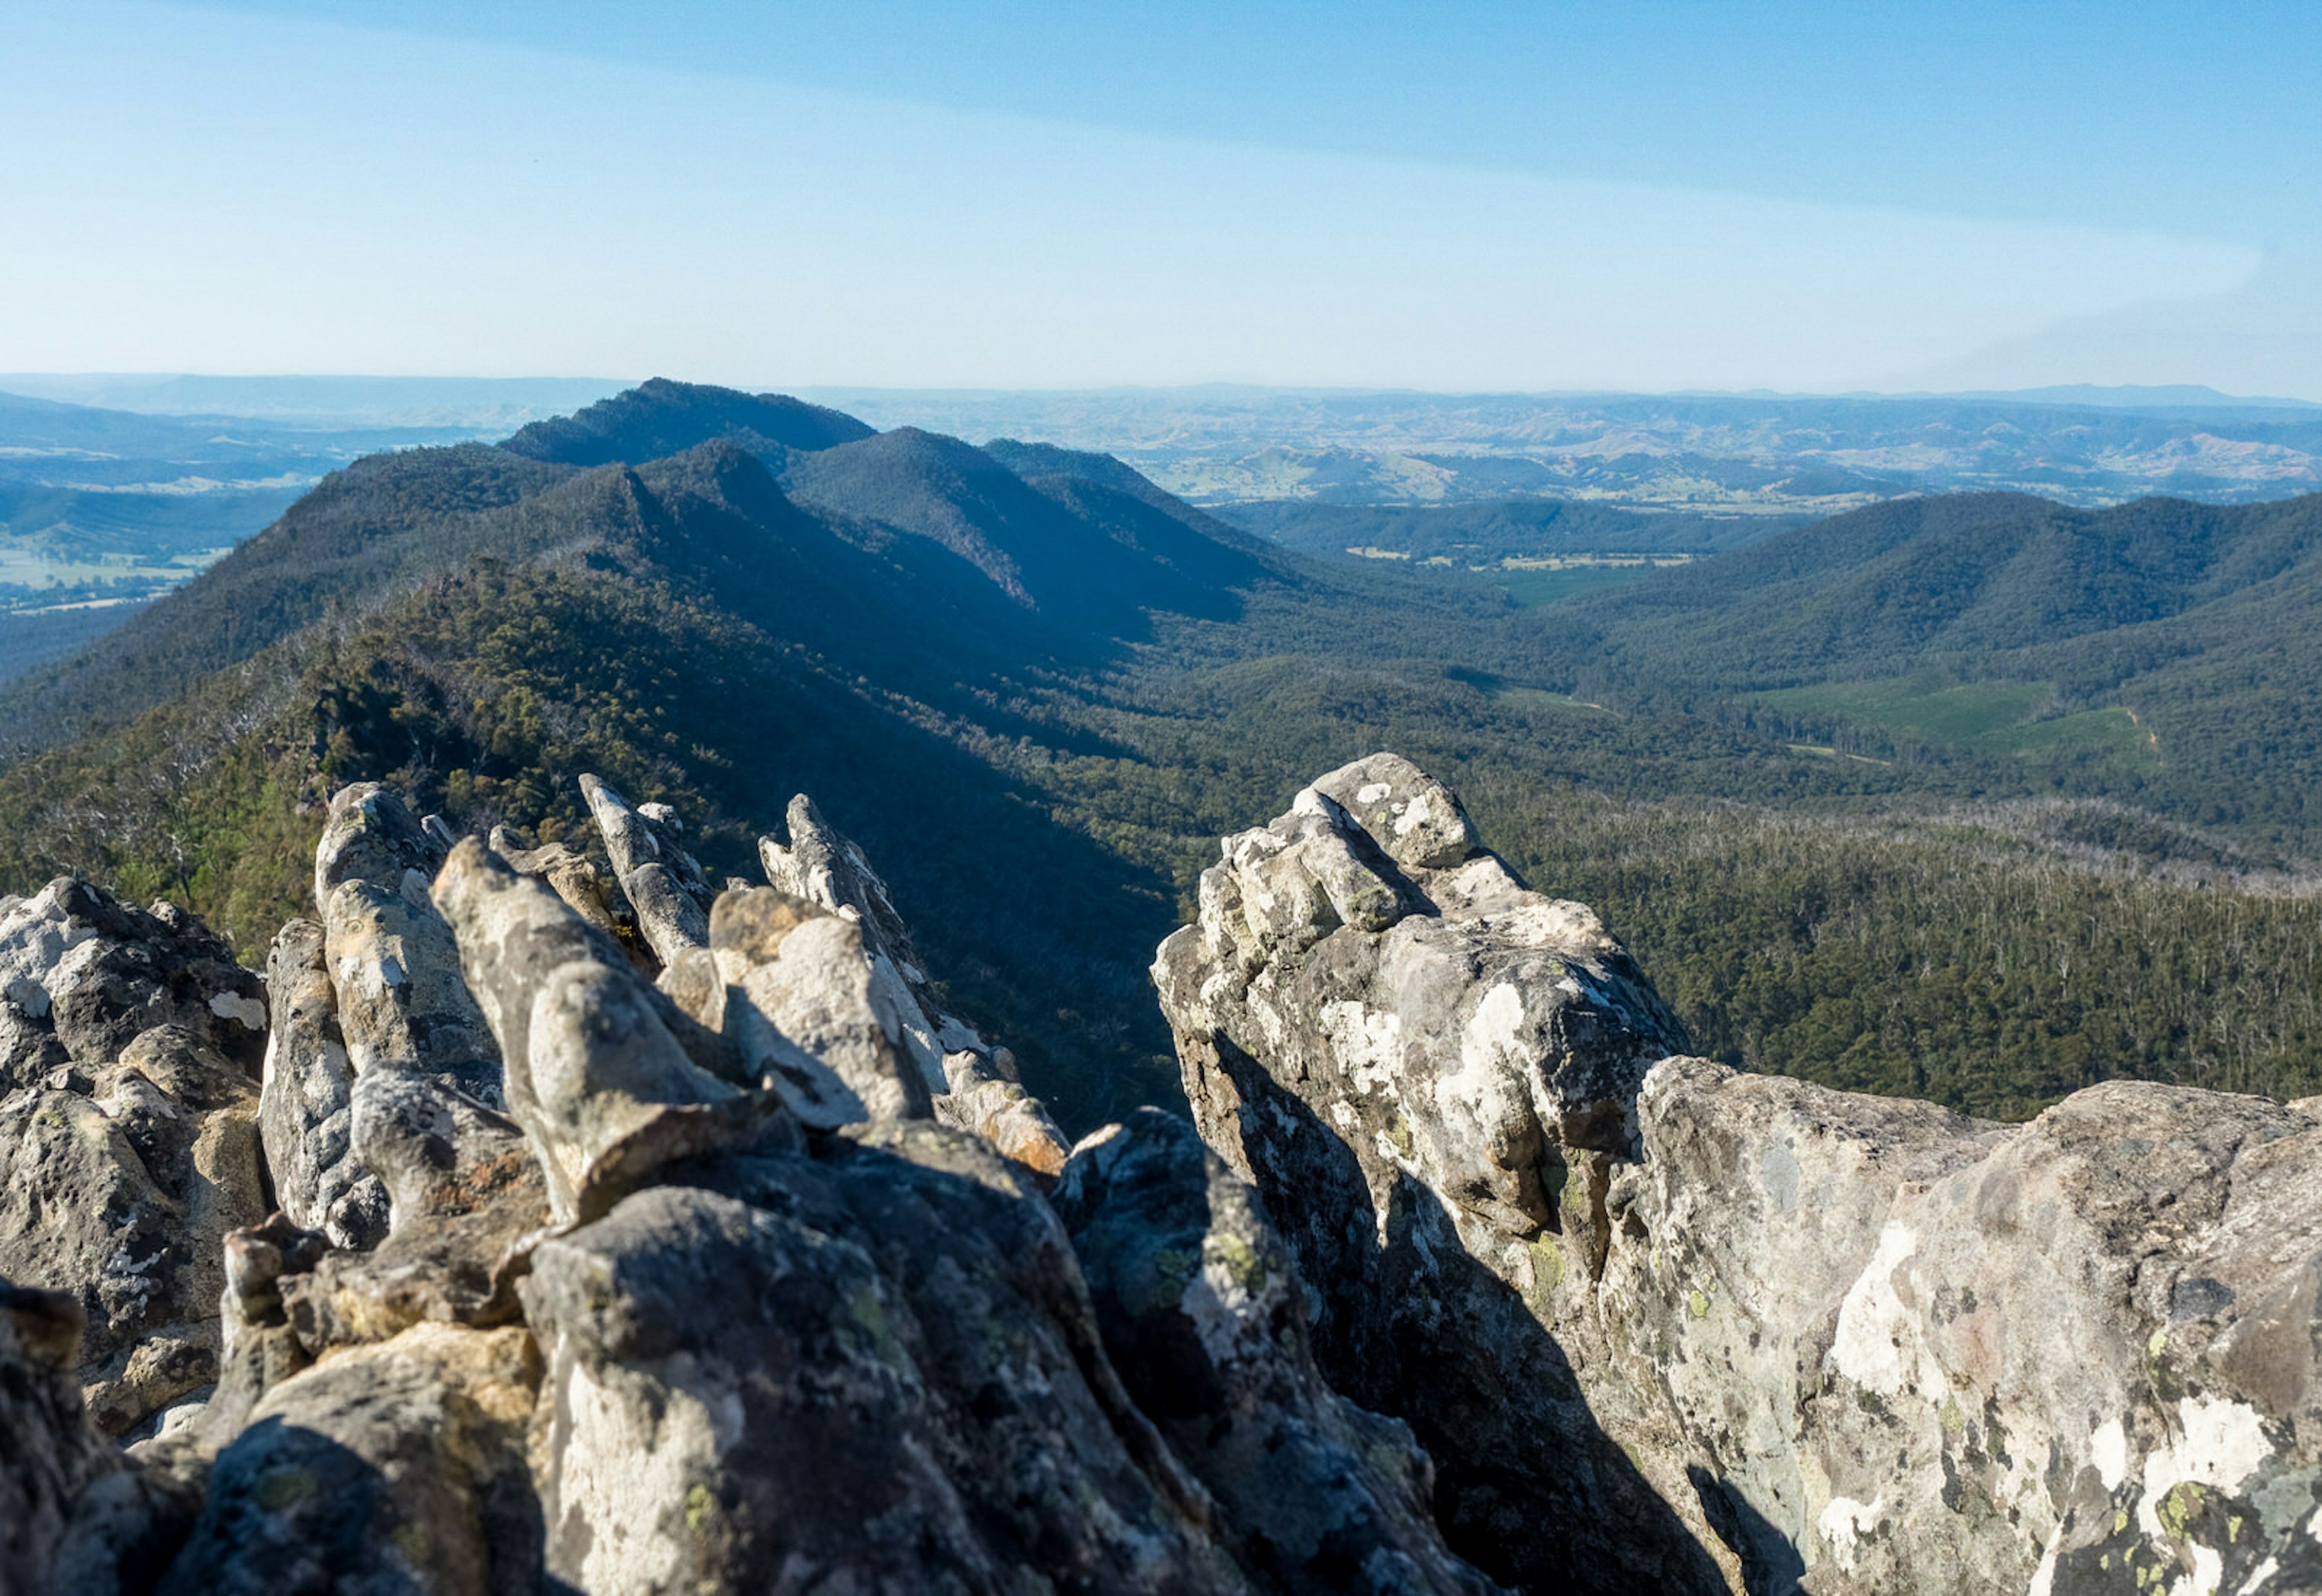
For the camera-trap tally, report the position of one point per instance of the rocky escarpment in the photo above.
(596, 1229)
(1663, 1324)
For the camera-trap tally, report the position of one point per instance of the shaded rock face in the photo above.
(1206, 1321)
(1663, 1324)
(1429, 1071)
(49, 1452)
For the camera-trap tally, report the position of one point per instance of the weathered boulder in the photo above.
(903, 1389)
(973, 1084)
(1428, 1071)
(468, 1195)
(1913, 1352)
(304, 1100)
(81, 975)
(395, 1467)
(807, 1011)
(120, 1189)
(1206, 1321)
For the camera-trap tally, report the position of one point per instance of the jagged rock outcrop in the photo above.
(596, 1073)
(656, 1329)
(1428, 1070)
(974, 1084)
(1478, 1277)
(662, 881)
(394, 964)
(1727, 1331)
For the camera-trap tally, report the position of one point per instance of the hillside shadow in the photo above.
(1529, 1487)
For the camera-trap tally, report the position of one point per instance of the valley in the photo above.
(1872, 823)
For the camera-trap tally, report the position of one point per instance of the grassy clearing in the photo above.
(1524, 698)
(2015, 719)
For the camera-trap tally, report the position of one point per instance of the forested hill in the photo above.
(479, 625)
(2162, 652)
(1954, 575)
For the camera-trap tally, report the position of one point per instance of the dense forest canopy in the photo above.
(1978, 797)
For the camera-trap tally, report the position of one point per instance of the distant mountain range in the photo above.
(634, 591)
(477, 403)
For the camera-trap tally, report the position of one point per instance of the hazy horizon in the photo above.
(122, 386)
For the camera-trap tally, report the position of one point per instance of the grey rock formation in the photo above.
(662, 881)
(1206, 1321)
(1476, 1263)
(1428, 1070)
(1727, 1331)
(973, 1083)
(641, 1333)
(593, 1070)
(807, 1011)
(396, 1467)
(1920, 1354)
(905, 1343)
(468, 1194)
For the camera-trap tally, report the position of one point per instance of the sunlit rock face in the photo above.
(1729, 1331)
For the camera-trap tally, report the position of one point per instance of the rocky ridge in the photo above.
(601, 1229)
(540, 1225)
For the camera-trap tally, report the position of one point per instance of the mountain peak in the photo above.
(662, 417)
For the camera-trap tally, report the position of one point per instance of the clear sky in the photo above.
(1798, 196)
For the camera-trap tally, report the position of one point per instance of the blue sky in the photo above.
(1802, 196)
